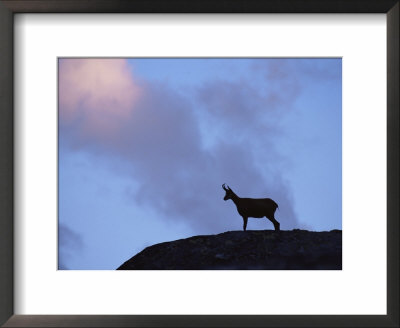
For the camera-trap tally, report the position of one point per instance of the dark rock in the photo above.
(245, 250)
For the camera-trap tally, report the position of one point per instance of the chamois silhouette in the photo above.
(253, 207)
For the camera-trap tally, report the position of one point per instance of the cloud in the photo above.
(97, 93)
(69, 242)
(248, 123)
(159, 136)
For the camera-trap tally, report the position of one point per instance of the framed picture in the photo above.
(113, 123)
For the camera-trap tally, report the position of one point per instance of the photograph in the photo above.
(199, 163)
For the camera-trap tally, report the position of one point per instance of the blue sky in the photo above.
(145, 145)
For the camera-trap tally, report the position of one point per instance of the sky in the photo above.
(145, 145)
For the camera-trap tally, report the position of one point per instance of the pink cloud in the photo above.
(101, 93)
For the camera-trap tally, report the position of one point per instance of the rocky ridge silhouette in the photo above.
(245, 250)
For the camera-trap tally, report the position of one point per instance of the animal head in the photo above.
(228, 192)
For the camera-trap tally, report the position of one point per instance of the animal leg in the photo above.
(244, 223)
(276, 224)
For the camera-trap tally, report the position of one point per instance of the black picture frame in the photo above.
(10, 7)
